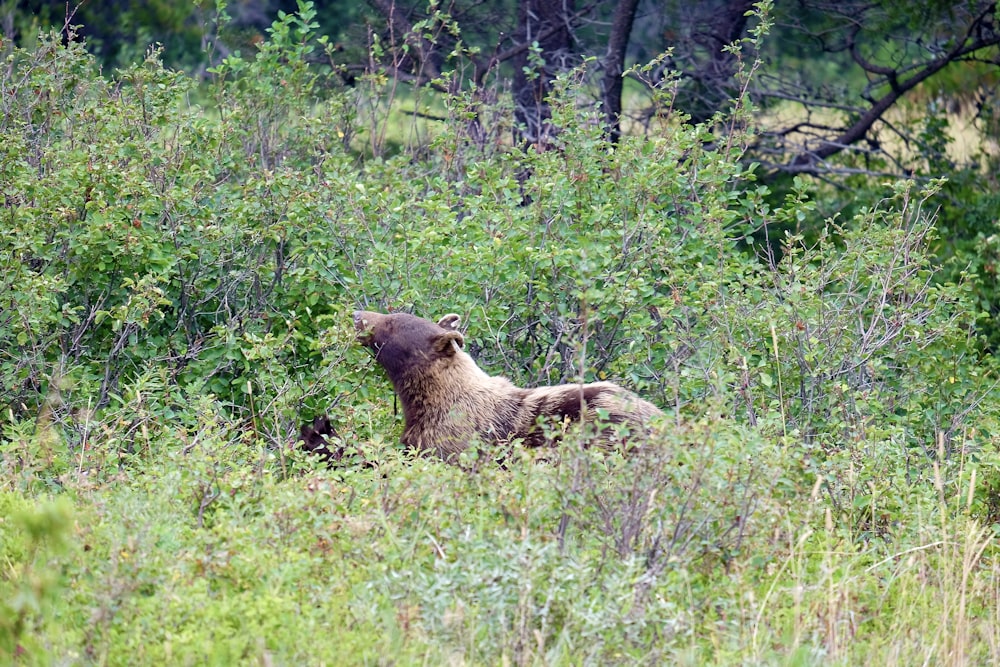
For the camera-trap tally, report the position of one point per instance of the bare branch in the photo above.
(978, 35)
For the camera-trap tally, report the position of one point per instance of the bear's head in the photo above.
(314, 438)
(404, 343)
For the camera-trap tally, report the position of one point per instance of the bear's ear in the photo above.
(450, 322)
(443, 343)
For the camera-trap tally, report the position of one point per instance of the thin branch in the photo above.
(808, 162)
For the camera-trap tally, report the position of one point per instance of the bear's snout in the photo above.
(365, 321)
(365, 325)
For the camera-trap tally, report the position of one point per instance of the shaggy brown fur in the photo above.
(448, 401)
(314, 439)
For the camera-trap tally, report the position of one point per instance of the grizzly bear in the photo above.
(321, 439)
(449, 402)
(314, 439)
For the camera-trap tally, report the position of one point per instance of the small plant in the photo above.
(33, 536)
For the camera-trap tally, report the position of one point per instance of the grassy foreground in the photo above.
(688, 553)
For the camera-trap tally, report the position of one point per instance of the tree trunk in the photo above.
(547, 23)
(614, 65)
(708, 84)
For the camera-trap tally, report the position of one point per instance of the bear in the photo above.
(314, 439)
(320, 438)
(449, 402)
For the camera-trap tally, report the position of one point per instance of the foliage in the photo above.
(176, 287)
(31, 535)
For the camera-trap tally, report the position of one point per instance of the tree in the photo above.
(701, 33)
(614, 65)
(831, 80)
(545, 37)
(881, 52)
(830, 74)
(536, 41)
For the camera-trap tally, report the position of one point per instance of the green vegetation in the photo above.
(178, 262)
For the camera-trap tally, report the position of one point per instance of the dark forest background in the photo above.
(845, 93)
